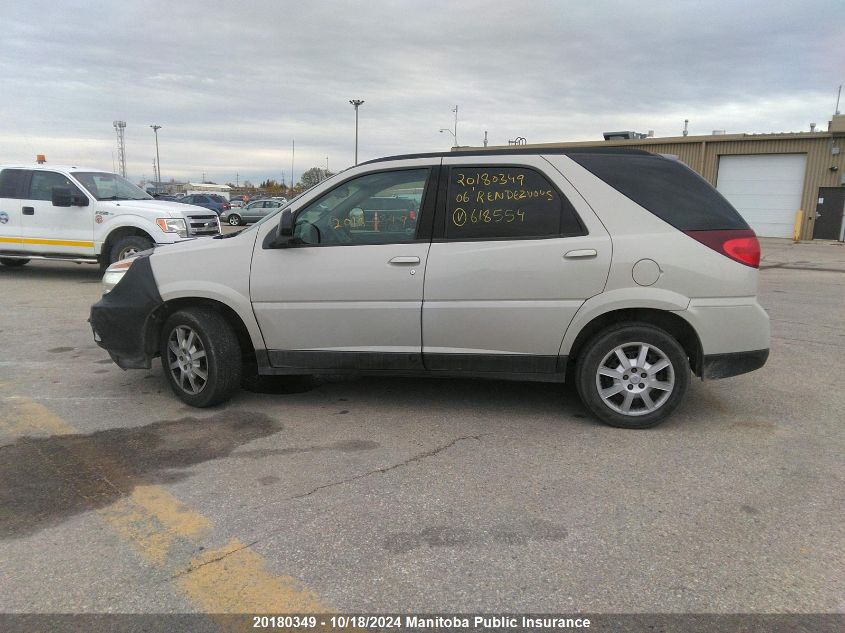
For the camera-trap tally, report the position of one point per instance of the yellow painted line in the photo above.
(223, 580)
(234, 579)
(22, 416)
(45, 241)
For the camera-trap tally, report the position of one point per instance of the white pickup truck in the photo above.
(87, 215)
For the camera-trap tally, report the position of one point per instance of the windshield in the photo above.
(106, 186)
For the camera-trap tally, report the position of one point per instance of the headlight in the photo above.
(115, 272)
(173, 225)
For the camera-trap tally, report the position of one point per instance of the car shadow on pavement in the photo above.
(46, 480)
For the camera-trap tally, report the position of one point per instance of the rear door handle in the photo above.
(581, 254)
(404, 260)
(29, 211)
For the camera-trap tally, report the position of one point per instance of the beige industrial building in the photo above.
(767, 177)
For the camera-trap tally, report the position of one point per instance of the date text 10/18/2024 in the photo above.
(419, 622)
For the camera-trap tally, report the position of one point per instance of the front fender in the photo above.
(221, 293)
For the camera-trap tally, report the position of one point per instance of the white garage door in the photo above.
(765, 189)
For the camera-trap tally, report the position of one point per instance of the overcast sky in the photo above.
(232, 83)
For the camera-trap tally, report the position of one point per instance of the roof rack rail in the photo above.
(515, 150)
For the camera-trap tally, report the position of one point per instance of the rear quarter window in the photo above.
(667, 188)
(11, 183)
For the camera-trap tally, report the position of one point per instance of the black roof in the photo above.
(517, 151)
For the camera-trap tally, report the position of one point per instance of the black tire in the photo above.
(661, 345)
(234, 219)
(127, 246)
(222, 359)
(13, 262)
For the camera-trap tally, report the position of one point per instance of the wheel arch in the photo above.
(674, 324)
(119, 233)
(156, 322)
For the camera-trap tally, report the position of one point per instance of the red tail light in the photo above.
(740, 245)
(226, 207)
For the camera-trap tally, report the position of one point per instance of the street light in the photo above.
(156, 128)
(454, 138)
(356, 103)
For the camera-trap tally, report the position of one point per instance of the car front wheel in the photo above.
(201, 357)
(234, 219)
(632, 376)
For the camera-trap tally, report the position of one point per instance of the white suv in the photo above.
(620, 269)
(87, 215)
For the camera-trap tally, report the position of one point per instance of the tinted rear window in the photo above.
(667, 188)
(11, 181)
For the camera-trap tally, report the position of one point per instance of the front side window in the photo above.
(378, 208)
(106, 186)
(490, 202)
(42, 183)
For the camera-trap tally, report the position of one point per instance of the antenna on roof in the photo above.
(686, 127)
(839, 94)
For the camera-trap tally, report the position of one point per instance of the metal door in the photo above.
(829, 214)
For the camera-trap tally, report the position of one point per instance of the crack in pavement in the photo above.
(386, 469)
(191, 570)
(410, 460)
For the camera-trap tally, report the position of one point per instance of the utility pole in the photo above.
(292, 156)
(356, 103)
(236, 180)
(156, 128)
(456, 125)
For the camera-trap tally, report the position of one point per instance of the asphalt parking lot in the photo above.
(398, 495)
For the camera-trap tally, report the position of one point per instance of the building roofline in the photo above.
(704, 138)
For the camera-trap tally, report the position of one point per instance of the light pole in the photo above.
(454, 138)
(356, 103)
(455, 110)
(156, 128)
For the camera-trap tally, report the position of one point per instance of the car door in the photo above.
(346, 294)
(516, 251)
(12, 182)
(60, 230)
(253, 211)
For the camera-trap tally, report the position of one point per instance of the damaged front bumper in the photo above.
(122, 321)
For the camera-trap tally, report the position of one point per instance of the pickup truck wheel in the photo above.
(13, 262)
(234, 219)
(129, 246)
(632, 376)
(201, 357)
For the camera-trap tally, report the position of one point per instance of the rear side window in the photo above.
(496, 202)
(11, 183)
(668, 188)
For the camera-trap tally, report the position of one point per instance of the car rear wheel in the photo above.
(13, 262)
(234, 219)
(632, 376)
(201, 357)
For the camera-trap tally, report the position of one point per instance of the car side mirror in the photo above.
(285, 233)
(286, 224)
(62, 197)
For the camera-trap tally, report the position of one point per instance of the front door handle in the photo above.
(581, 254)
(29, 211)
(404, 260)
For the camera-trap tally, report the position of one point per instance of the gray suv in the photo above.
(621, 270)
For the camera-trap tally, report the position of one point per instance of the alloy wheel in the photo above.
(187, 359)
(635, 378)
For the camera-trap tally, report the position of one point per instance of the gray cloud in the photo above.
(233, 84)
